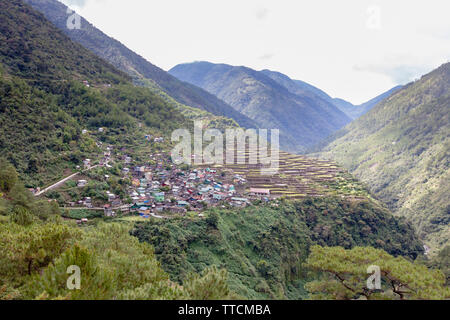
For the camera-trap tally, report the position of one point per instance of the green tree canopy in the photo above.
(343, 274)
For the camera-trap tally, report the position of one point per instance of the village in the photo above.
(153, 186)
(160, 189)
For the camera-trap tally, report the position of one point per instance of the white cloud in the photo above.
(325, 42)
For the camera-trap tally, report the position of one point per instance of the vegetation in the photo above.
(343, 274)
(401, 150)
(263, 247)
(45, 106)
(37, 247)
(142, 71)
(55, 96)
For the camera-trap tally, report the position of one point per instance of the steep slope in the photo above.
(44, 104)
(263, 247)
(401, 150)
(302, 88)
(367, 106)
(302, 119)
(136, 66)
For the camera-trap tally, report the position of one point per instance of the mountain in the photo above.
(400, 148)
(55, 95)
(303, 118)
(302, 88)
(51, 89)
(142, 71)
(355, 112)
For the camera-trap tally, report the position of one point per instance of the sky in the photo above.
(351, 49)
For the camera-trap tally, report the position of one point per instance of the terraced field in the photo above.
(299, 177)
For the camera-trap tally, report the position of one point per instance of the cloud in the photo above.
(400, 69)
(267, 56)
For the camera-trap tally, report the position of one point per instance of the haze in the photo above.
(353, 49)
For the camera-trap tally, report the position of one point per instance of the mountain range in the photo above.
(61, 103)
(302, 88)
(316, 113)
(303, 119)
(142, 71)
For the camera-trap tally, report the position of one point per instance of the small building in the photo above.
(259, 192)
(183, 204)
(159, 196)
(108, 211)
(217, 196)
(111, 197)
(87, 162)
(81, 183)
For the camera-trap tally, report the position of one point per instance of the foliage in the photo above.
(211, 284)
(28, 249)
(400, 149)
(143, 72)
(8, 176)
(263, 247)
(344, 275)
(44, 104)
(442, 261)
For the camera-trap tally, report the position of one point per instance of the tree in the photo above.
(95, 283)
(442, 261)
(343, 274)
(211, 284)
(213, 219)
(25, 250)
(8, 176)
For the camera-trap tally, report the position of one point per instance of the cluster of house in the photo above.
(157, 188)
(161, 186)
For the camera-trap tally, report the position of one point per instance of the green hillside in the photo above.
(263, 247)
(61, 104)
(142, 71)
(44, 104)
(401, 150)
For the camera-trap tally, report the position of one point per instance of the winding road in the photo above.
(60, 182)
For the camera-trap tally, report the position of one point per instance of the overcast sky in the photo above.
(352, 49)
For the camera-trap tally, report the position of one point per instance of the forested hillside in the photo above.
(44, 105)
(401, 150)
(303, 119)
(37, 247)
(52, 88)
(263, 247)
(141, 227)
(142, 71)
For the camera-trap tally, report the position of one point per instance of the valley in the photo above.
(87, 177)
